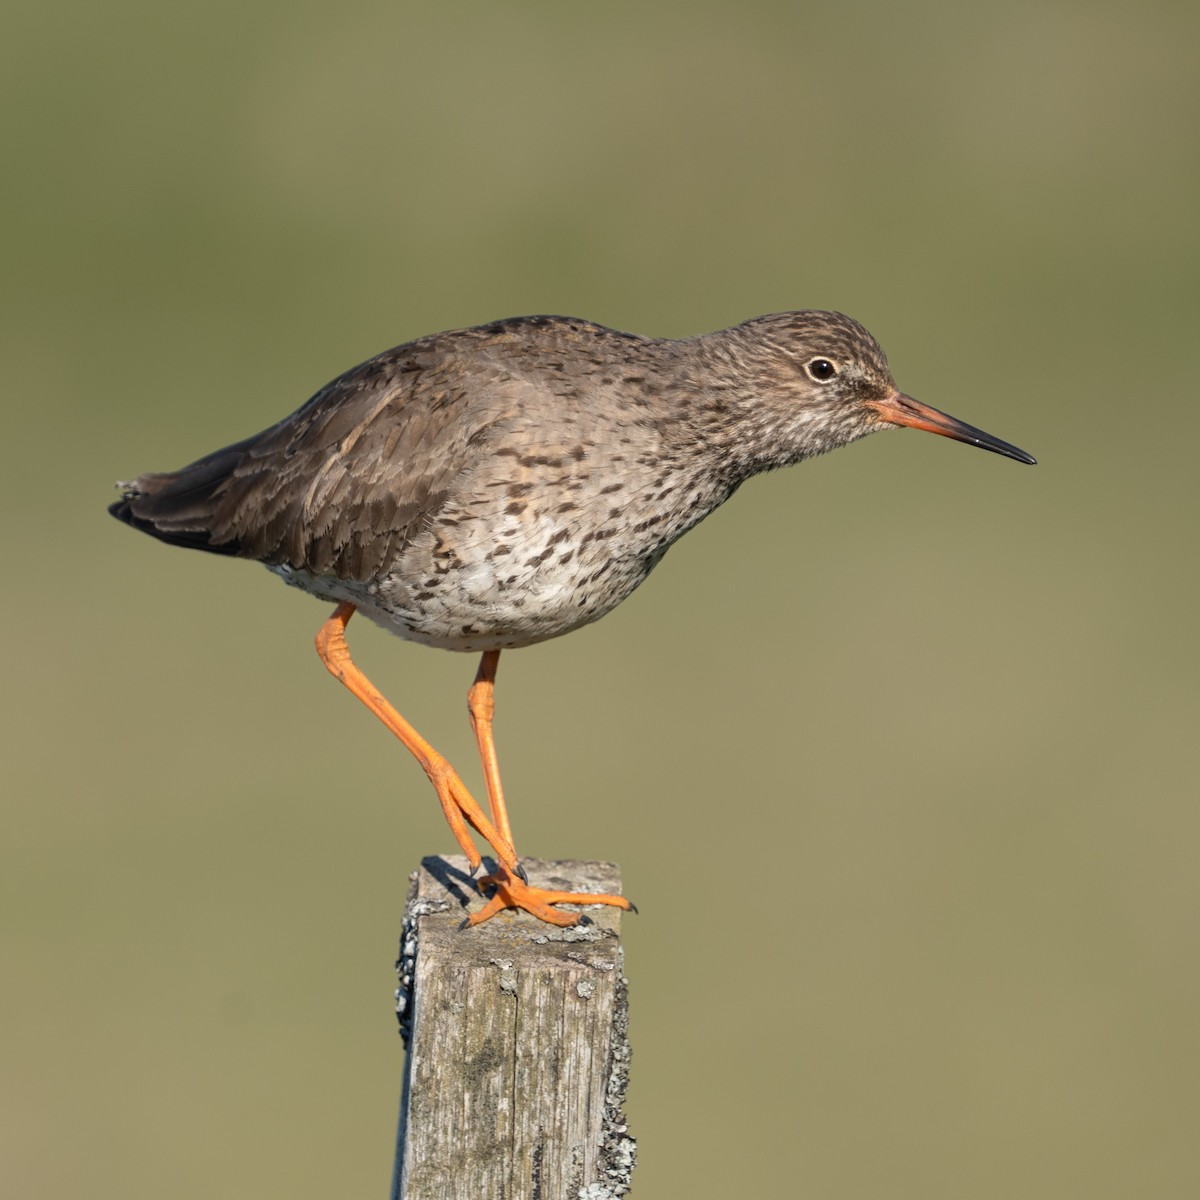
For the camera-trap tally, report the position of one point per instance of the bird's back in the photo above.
(343, 484)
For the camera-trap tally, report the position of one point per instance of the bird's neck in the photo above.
(732, 433)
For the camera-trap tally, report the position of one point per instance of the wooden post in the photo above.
(518, 1054)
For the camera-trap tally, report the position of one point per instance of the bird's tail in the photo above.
(181, 507)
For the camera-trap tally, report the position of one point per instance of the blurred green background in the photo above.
(898, 751)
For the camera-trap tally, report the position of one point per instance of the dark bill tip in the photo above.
(899, 409)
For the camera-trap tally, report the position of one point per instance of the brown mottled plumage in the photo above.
(493, 487)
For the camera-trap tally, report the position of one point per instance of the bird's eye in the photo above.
(821, 369)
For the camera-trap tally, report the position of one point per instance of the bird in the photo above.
(487, 488)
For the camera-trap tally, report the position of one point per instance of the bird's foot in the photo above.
(512, 892)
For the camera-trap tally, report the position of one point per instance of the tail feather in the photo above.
(180, 507)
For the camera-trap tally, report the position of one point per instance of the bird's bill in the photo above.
(899, 409)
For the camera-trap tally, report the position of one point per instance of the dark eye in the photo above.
(821, 369)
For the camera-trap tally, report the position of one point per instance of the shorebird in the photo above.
(488, 488)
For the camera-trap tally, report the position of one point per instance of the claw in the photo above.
(511, 892)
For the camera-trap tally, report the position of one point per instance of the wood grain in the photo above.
(518, 1054)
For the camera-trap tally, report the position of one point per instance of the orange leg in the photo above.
(481, 704)
(509, 890)
(457, 803)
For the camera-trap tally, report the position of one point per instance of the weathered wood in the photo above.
(518, 1054)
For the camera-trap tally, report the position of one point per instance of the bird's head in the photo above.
(812, 381)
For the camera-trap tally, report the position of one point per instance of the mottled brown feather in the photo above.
(494, 486)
